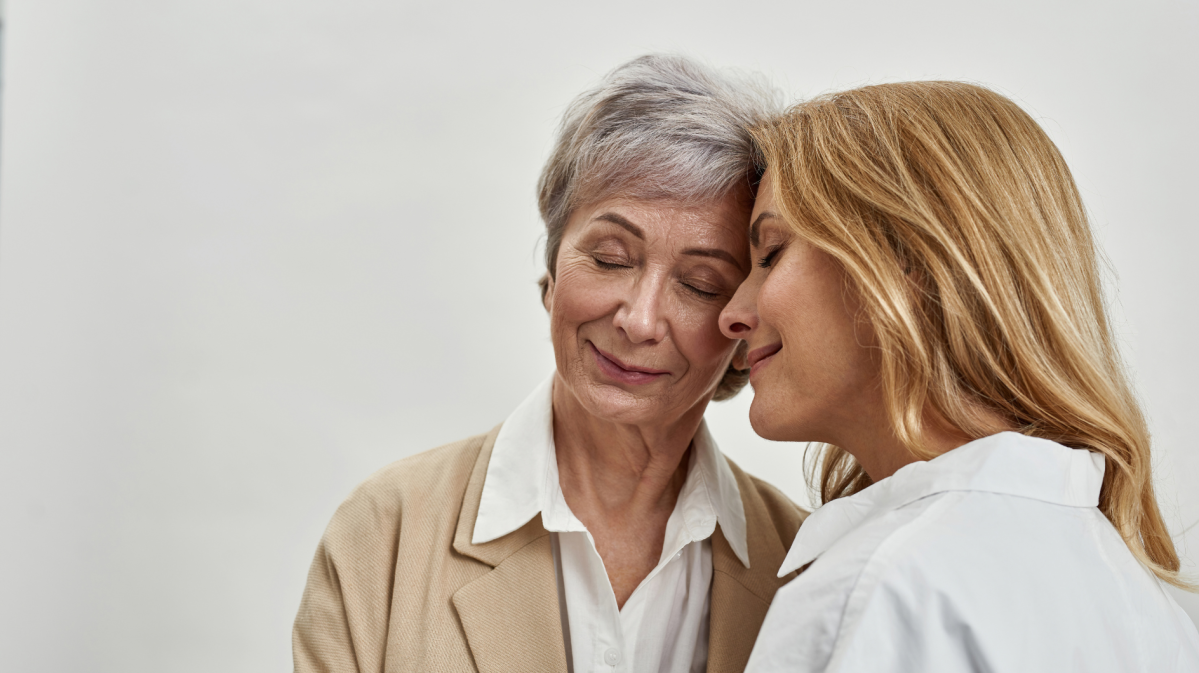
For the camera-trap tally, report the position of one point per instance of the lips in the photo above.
(760, 357)
(622, 372)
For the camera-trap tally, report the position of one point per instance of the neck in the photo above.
(879, 452)
(619, 469)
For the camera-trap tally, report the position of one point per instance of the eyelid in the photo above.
(703, 287)
(605, 264)
(702, 294)
(767, 259)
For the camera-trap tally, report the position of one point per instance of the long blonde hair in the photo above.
(960, 227)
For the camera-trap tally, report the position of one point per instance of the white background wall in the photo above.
(252, 250)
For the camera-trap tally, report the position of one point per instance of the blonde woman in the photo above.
(926, 302)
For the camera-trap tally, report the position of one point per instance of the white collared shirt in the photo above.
(663, 626)
(991, 557)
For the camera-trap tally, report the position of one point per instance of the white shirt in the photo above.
(991, 557)
(663, 626)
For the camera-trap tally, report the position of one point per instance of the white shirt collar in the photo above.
(522, 482)
(1007, 463)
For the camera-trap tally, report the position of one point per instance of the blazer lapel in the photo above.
(510, 615)
(741, 596)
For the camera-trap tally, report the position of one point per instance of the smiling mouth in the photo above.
(631, 374)
(760, 357)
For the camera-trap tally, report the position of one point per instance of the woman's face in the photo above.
(634, 305)
(813, 370)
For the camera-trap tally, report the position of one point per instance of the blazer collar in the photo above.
(517, 601)
(741, 594)
(492, 552)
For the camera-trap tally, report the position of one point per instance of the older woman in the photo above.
(599, 528)
(926, 301)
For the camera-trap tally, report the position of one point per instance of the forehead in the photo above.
(717, 222)
(763, 215)
(764, 199)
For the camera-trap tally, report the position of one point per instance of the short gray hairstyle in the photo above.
(659, 127)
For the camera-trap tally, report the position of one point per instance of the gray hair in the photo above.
(656, 128)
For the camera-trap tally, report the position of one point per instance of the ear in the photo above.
(741, 356)
(547, 291)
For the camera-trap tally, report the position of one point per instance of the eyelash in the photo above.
(700, 293)
(608, 265)
(768, 259)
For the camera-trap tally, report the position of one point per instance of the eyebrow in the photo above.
(753, 228)
(714, 253)
(622, 222)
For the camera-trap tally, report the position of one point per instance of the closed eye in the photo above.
(702, 294)
(609, 265)
(768, 258)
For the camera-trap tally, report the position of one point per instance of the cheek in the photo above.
(822, 343)
(790, 307)
(696, 333)
(776, 304)
(581, 297)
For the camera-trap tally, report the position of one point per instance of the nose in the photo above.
(740, 316)
(641, 317)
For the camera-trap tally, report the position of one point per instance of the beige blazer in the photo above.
(396, 584)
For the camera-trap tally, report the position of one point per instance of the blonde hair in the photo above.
(960, 227)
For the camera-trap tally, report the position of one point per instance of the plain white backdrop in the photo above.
(253, 250)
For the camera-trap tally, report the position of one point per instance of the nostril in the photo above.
(733, 323)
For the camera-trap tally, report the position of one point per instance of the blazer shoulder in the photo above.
(780, 506)
(433, 481)
(764, 498)
(368, 549)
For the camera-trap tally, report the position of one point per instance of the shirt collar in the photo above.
(522, 482)
(1007, 463)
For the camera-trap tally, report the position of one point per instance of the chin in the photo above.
(769, 422)
(759, 419)
(613, 403)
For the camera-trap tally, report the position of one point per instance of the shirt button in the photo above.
(612, 656)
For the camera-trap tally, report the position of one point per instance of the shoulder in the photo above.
(367, 548)
(759, 492)
(970, 580)
(1007, 583)
(766, 499)
(786, 515)
(970, 551)
(811, 614)
(430, 482)
(1025, 540)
